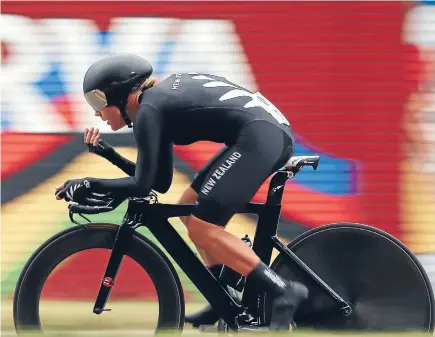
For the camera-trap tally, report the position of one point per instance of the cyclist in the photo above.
(183, 109)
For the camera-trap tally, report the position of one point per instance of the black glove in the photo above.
(99, 204)
(77, 190)
(102, 149)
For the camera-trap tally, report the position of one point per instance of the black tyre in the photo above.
(76, 239)
(383, 281)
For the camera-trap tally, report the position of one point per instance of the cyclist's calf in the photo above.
(203, 234)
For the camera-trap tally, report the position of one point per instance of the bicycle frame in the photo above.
(155, 218)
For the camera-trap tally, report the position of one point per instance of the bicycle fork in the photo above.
(122, 241)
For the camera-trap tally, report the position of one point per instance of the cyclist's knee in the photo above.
(189, 197)
(202, 234)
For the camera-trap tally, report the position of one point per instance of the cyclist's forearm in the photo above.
(123, 163)
(121, 187)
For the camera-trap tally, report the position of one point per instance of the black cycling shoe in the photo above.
(208, 316)
(285, 306)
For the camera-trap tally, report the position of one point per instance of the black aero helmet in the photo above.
(110, 80)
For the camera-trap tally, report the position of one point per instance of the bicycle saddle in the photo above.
(298, 162)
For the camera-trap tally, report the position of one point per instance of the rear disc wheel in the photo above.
(385, 284)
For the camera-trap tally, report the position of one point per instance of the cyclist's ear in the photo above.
(133, 100)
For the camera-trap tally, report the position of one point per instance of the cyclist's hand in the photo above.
(77, 190)
(95, 144)
(92, 136)
(98, 204)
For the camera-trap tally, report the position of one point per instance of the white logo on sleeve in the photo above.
(257, 99)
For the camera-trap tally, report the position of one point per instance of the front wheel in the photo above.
(384, 283)
(97, 239)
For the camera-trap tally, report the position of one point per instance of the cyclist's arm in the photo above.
(104, 150)
(148, 130)
(127, 166)
(164, 173)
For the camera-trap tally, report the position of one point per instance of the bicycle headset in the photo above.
(109, 81)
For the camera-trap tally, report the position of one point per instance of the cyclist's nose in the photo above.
(98, 114)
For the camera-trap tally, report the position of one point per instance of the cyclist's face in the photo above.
(112, 116)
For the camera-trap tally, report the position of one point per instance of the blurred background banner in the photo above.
(355, 79)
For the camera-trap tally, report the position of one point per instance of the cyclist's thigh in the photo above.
(240, 170)
(199, 177)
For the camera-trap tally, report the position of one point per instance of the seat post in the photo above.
(276, 187)
(269, 217)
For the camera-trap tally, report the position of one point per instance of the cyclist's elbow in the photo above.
(143, 187)
(162, 186)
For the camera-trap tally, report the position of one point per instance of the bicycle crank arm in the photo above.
(342, 304)
(122, 241)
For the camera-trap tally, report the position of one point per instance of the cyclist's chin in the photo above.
(116, 123)
(117, 127)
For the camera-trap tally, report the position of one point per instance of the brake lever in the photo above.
(71, 217)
